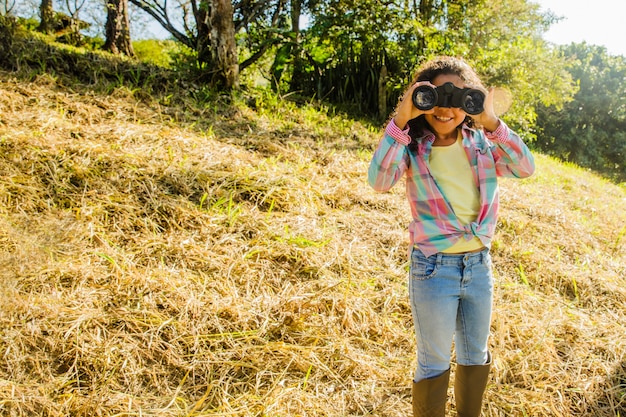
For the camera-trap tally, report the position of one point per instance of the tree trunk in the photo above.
(296, 11)
(118, 28)
(46, 12)
(216, 42)
(298, 76)
(382, 92)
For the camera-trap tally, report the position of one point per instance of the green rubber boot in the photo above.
(430, 396)
(469, 388)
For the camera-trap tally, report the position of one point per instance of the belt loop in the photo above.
(439, 257)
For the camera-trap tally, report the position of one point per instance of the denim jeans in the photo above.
(451, 297)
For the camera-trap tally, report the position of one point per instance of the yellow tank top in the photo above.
(453, 174)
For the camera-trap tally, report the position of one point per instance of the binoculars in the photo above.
(470, 100)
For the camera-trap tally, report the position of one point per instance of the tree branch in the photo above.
(159, 13)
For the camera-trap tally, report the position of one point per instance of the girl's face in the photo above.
(445, 120)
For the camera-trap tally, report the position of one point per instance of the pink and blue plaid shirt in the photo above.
(435, 226)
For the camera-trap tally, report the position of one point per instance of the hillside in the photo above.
(181, 260)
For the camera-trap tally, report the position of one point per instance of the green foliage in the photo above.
(30, 54)
(349, 43)
(159, 52)
(93, 43)
(29, 23)
(590, 130)
(517, 59)
(346, 57)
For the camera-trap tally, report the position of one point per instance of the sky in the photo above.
(597, 22)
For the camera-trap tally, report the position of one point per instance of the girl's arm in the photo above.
(511, 155)
(390, 159)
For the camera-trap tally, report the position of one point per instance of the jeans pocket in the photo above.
(423, 268)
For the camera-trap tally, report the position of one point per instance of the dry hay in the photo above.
(192, 261)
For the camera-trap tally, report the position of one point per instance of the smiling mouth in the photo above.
(443, 119)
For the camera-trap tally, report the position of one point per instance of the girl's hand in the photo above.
(406, 110)
(488, 118)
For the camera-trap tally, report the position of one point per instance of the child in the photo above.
(452, 162)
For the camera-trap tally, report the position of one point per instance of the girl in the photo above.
(452, 162)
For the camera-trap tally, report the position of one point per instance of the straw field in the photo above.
(166, 258)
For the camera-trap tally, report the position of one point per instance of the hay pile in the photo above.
(187, 261)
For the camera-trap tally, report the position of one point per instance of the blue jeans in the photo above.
(451, 297)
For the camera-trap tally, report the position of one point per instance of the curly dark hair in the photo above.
(443, 65)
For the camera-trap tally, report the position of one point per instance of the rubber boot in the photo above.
(469, 388)
(430, 396)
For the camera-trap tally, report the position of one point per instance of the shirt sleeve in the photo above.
(512, 157)
(401, 136)
(390, 159)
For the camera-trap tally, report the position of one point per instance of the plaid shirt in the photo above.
(435, 226)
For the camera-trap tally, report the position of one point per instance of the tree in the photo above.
(519, 60)
(7, 7)
(46, 14)
(353, 42)
(208, 27)
(289, 53)
(348, 44)
(216, 42)
(117, 28)
(590, 130)
(66, 24)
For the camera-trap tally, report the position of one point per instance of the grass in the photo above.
(166, 258)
